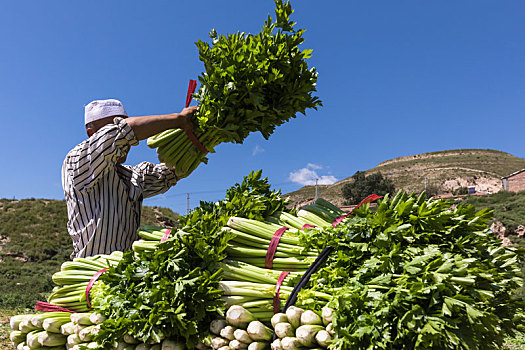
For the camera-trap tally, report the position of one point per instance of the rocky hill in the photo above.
(444, 172)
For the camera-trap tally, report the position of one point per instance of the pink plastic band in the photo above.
(196, 141)
(338, 220)
(47, 307)
(272, 248)
(191, 136)
(166, 235)
(369, 199)
(91, 283)
(276, 303)
(307, 226)
(191, 90)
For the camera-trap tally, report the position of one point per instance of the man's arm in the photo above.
(147, 126)
(154, 178)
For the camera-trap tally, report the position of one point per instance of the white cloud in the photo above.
(308, 175)
(313, 166)
(327, 180)
(258, 149)
(303, 176)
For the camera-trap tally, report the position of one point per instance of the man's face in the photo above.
(96, 125)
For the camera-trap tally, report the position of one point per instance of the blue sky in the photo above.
(396, 78)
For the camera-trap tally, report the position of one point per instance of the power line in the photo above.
(276, 186)
(216, 191)
(198, 192)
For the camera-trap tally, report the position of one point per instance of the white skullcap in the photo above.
(99, 109)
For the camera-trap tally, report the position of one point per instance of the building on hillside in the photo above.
(514, 182)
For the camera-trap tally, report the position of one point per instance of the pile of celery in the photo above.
(397, 275)
(244, 280)
(73, 278)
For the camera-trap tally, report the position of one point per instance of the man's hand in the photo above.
(178, 177)
(184, 118)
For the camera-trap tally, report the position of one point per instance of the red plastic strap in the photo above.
(307, 226)
(166, 235)
(369, 199)
(276, 303)
(196, 141)
(47, 307)
(338, 220)
(191, 90)
(191, 136)
(272, 248)
(90, 285)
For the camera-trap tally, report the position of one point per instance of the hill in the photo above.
(441, 172)
(34, 242)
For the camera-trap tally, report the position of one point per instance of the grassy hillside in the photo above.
(444, 171)
(509, 209)
(34, 242)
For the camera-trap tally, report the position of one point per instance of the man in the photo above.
(104, 197)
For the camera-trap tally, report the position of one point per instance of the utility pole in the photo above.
(316, 189)
(188, 204)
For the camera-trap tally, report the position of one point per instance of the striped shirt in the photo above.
(104, 198)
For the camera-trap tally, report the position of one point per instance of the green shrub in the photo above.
(363, 186)
(509, 207)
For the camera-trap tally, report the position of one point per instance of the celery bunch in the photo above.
(417, 273)
(73, 279)
(251, 83)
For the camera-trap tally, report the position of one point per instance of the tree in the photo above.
(363, 186)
